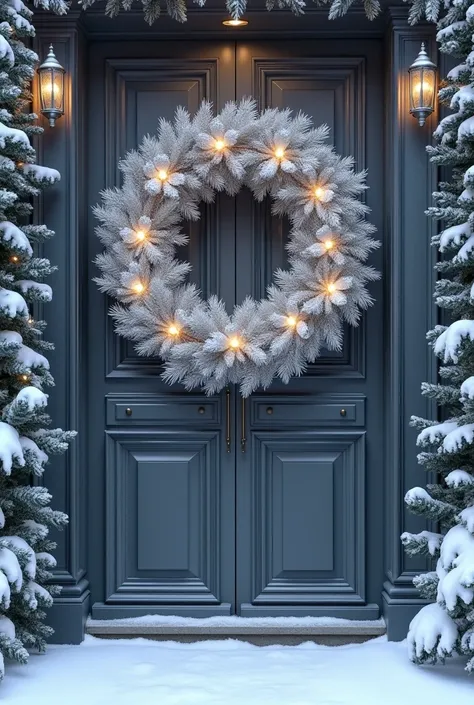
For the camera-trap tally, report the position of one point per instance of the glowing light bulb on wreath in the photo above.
(219, 145)
(331, 288)
(319, 193)
(291, 321)
(279, 152)
(140, 235)
(14, 259)
(25, 378)
(138, 287)
(162, 174)
(329, 244)
(173, 331)
(235, 342)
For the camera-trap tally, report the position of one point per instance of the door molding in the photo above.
(408, 270)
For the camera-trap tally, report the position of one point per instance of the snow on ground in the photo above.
(142, 672)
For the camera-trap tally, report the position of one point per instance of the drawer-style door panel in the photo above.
(314, 411)
(155, 409)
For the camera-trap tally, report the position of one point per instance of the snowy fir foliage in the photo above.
(447, 448)
(26, 440)
(272, 154)
(177, 9)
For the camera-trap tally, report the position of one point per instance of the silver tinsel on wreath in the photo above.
(272, 154)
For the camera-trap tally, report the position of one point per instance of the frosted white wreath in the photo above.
(272, 154)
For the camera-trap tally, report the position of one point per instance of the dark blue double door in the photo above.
(204, 506)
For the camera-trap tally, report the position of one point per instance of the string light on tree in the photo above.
(319, 193)
(329, 244)
(331, 288)
(219, 145)
(162, 175)
(173, 330)
(291, 321)
(15, 259)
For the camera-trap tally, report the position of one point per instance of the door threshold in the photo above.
(259, 631)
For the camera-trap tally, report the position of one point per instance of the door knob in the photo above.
(269, 410)
(128, 411)
(201, 410)
(343, 412)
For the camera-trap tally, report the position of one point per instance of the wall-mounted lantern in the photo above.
(422, 75)
(51, 87)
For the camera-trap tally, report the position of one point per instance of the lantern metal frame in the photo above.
(422, 67)
(52, 67)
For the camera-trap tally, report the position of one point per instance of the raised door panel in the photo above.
(332, 91)
(169, 523)
(305, 493)
(140, 92)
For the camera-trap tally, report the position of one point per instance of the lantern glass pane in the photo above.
(422, 88)
(52, 89)
(428, 85)
(416, 88)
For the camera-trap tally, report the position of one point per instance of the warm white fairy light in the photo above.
(138, 287)
(219, 145)
(235, 342)
(162, 174)
(291, 321)
(331, 288)
(173, 330)
(319, 192)
(14, 259)
(140, 235)
(279, 152)
(329, 244)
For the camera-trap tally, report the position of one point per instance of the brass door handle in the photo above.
(243, 439)
(227, 424)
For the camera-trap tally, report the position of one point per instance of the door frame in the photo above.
(409, 181)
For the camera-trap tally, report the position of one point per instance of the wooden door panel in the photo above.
(162, 491)
(140, 92)
(306, 522)
(331, 90)
(302, 483)
(167, 500)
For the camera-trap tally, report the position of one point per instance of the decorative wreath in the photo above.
(164, 182)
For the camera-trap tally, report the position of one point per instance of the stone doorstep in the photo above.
(330, 634)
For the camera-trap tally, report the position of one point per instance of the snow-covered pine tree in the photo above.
(25, 437)
(447, 449)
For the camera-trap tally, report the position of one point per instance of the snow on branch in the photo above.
(432, 635)
(448, 343)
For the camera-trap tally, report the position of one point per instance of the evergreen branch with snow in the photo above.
(26, 441)
(444, 628)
